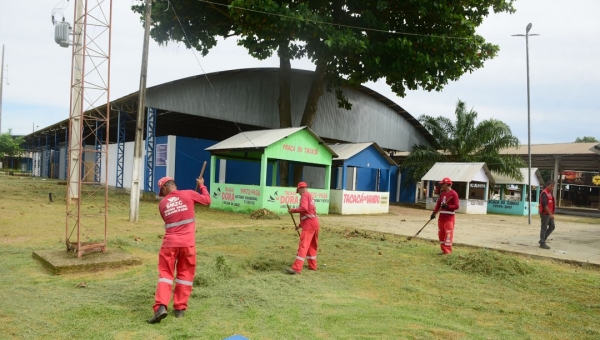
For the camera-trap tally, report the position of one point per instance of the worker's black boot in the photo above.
(179, 313)
(544, 246)
(160, 314)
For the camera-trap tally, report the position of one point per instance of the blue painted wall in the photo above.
(366, 179)
(189, 156)
(407, 190)
(369, 156)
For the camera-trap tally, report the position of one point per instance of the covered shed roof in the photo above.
(536, 177)
(459, 172)
(349, 150)
(246, 100)
(569, 156)
(556, 149)
(254, 140)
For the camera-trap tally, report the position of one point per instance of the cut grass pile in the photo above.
(264, 214)
(369, 285)
(490, 263)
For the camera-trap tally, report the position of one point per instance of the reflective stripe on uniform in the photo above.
(299, 258)
(447, 212)
(177, 224)
(311, 257)
(162, 279)
(183, 282)
(307, 216)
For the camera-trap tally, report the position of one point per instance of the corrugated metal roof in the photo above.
(555, 149)
(536, 177)
(348, 150)
(261, 139)
(458, 172)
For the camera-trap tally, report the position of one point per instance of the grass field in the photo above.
(369, 285)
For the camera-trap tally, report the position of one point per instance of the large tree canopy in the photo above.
(9, 145)
(465, 141)
(410, 44)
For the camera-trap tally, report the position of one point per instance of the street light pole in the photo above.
(1, 82)
(527, 29)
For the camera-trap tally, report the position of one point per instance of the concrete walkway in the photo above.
(576, 239)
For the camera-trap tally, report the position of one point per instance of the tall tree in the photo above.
(410, 44)
(465, 141)
(586, 139)
(10, 146)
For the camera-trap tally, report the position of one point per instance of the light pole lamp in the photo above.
(527, 35)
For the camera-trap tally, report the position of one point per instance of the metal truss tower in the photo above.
(87, 199)
(150, 147)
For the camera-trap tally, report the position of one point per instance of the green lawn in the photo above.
(369, 285)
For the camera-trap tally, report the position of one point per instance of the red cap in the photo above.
(301, 185)
(446, 180)
(162, 181)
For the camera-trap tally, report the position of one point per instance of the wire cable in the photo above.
(206, 76)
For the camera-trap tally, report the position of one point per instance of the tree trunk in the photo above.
(284, 103)
(312, 102)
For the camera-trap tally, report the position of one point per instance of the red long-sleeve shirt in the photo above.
(308, 212)
(177, 210)
(453, 204)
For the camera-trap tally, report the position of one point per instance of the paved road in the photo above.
(575, 238)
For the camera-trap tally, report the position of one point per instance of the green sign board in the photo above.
(277, 198)
(301, 147)
(235, 197)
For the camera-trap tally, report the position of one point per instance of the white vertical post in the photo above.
(134, 201)
(76, 121)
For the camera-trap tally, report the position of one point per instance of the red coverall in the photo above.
(178, 247)
(446, 219)
(309, 238)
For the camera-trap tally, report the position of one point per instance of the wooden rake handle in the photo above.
(418, 232)
(201, 173)
(293, 219)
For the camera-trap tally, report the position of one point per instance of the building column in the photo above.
(344, 170)
(274, 176)
(327, 177)
(150, 150)
(556, 174)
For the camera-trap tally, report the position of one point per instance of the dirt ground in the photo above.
(575, 238)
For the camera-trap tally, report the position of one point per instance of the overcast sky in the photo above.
(564, 68)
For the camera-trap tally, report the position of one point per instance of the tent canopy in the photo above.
(536, 178)
(460, 172)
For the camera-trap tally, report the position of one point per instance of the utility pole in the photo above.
(1, 83)
(134, 202)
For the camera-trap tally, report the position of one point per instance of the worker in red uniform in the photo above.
(309, 238)
(447, 203)
(178, 251)
(547, 214)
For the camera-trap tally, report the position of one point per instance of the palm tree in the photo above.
(465, 142)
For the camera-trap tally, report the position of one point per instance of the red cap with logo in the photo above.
(301, 185)
(162, 181)
(446, 180)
